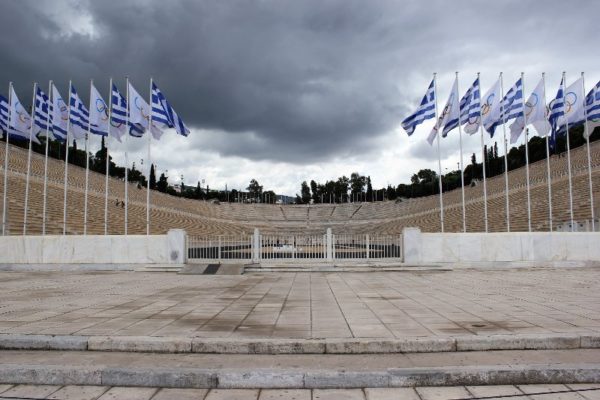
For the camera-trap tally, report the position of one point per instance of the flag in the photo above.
(98, 113)
(163, 113)
(449, 113)
(535, 112)
(3, 113)
(119, 117)
(511, 106)
(42, 111)
(20, 120)
(78, 116)
(425, 111)
(60, 115)
(574, 107)
(557, 110)
(592, 107)
(490, 108)
(470, 111)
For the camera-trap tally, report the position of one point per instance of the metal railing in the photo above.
(291, 247)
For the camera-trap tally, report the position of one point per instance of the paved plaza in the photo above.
(516, 392)
(302, 305)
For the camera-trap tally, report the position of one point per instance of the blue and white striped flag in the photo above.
(78, 116)
(470, 111)
(425, 111)
(42, 112)
(557, 110)
(3, 114)
(512, 105)
(165, 114)
(119, 117)
(60, 115)
(592, 108)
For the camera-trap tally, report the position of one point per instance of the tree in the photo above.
(163, 183)
(254, 189)
(369, 189)
(315, 191)
(198, 192)
(152, 175)
(305, 193)
(357, 183)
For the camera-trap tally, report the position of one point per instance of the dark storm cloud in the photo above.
(298, 81)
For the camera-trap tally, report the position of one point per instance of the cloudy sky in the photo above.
(291, 90)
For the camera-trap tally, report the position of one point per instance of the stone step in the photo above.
(299, 371)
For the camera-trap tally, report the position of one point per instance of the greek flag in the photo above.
(119, 117)
(425, 111)
(98, 113)
(3, 113)
(592, 107)
(470, 111)
(163, 113)
(512, 105)
(20, 120)
(60, 115)
(557, 110)
(42, 111)
(79, 116)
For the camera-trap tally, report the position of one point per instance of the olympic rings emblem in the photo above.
(62, 106)
(530, 104)
(23, 117)
(570, 100)
(101, 107)
(135, 102)
(485, 108)
(448, 107)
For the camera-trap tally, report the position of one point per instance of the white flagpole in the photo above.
(5, 187)
(46, 159)
(483, 158)
(589, 159)
(87, 165)
(462, 173)
(439, 156)
(526, 153)
(26, 205)
(149, 163)
(66, 162)
(568, 152)
(107, 158)
(549, 177)
(505, 153)
(126, 148)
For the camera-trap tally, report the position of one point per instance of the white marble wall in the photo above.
(91, 249)
(501, 247)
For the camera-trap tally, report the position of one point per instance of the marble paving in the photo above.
(516, 392)
(302, 305)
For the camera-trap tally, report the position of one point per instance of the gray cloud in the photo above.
(293, 81)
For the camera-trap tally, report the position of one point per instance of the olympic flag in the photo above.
(490, 108)
(20, 122)
(98, 113)
(60, 115)
(449, 113)
(574, 106)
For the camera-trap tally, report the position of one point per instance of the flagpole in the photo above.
(149, 163)
(526, 153)
(505, 153)
(548, 162)
(6, 158)
(439, 156)
(107, 158)
(87, 165)
(483, 158)
(46, 158)
(589, 159)
(568, 152)
(126, 148)
(29, 161)
(462, 173)
(66, 163)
